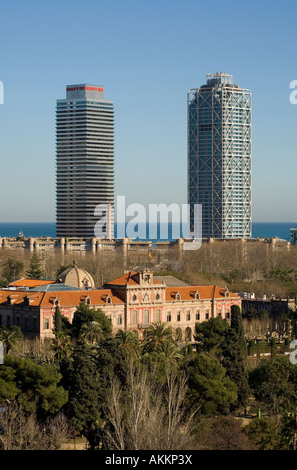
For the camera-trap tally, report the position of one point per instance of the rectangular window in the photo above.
(157, 315)
(46, 324)
(169, 317)
(197, 316)
(134, 317)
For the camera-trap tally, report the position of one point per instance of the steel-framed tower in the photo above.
(85, 160)
(219, 157)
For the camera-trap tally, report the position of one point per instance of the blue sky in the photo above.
(146, 54)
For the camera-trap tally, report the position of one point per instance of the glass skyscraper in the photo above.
(219, 157)
(85, 159)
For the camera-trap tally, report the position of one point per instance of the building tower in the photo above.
(85, 160)
(219, 157)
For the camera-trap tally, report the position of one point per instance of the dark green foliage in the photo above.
(35, 271)
(57, 320)
(86, 391)
(12, 269)
(85, 315)
(264, 434)
(209, 387)
(233, 362)
(8, 387)
(210, 335)
(234, 351)
(11, 337)
(37, 385)
(273, 383)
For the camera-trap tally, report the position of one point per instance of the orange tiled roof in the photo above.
(205, 292)
(18, 298)
(66, 298)
(128, 279)
(74, 298)
(30, 283)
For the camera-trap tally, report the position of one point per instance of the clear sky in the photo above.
(147, 55)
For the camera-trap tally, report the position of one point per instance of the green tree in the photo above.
(129, 343)
(209, 335)
(91, 332)
(85, 315)
(11, 337)
(210, 387)
(38, 385)
(35, 271)
(234, 362)
(264, 434)
(12, 269)
(271, 384)
(156, 336)
(236, 324)
(171, 353)
(62, 346)
(8, 387)
(57, 320)
(85, 393)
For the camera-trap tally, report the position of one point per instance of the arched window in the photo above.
(146, 317)
(188, 316)
(134, 317)
(157, 315)
(188, 334)
(197, 295)
(197, 315)
(177, 296)
(120, 320)
(169, 316)
(179, 334)
(178, 317)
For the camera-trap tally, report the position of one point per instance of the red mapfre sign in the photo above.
(92, 88)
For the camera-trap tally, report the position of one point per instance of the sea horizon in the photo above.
(48, 229)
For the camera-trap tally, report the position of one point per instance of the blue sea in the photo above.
(259, 229)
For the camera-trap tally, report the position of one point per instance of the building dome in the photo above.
(77, 277)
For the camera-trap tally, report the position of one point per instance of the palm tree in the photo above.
(91, 332)
(62, 346)
(156, 336)
(171, 352)
(129, 342)
(11, 337)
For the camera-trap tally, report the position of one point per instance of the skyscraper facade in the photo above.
(219, 157)
(85, 160)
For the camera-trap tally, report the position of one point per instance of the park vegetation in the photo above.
(120, 393)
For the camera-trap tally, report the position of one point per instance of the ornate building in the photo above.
(132, 302)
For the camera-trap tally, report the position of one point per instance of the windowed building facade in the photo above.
(133, 301)
(85, 161)
(219, 157)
